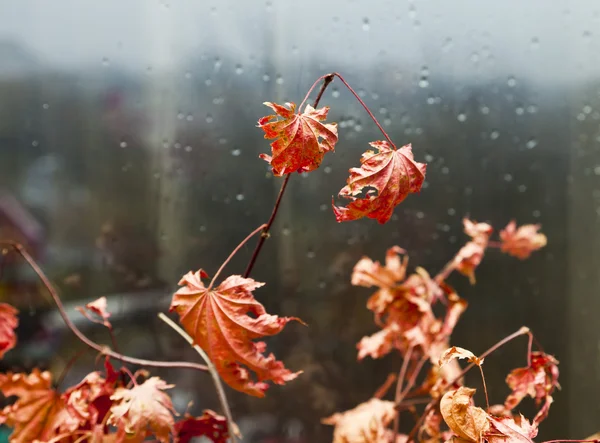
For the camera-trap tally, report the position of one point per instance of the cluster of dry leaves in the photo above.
(228, 323)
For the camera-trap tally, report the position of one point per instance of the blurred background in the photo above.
(129, 155)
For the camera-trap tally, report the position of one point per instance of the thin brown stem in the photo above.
(105, 350)
(235, 251)
(413, 378)
(401, 376)
(385, 387)
(327, 79)
(69, 365)
(360, 100)
(487, 400)
(213, 372)
(573, 441)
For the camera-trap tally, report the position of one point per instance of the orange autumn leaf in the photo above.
(470, 255)
(465, 420)
(209, 424)
(366, 423)
(385, 178)
(8, 324)
(507, 429)
(522, 241)
(297, 148)
(141, 407)
(97, 307)
(455, 352)
(39, 413)
(218, 321)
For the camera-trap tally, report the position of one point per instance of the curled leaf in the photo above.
(366, 423)
(465, 420)
(98, 308)
(456, 352)
(506, 429)
(218, 321)
(522, 241)
(297, 148)
(8, 324)
(385, 178)
(141, 407)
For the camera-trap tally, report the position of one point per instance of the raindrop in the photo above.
(357, 127)
(587, 36)
(311, 254)
(424, 71)
(587, 109)
(323, 207)
(279, 80)
(428, 157)
(209, 118)
(218, 63)
(189, 117)
(423, 83)
(239, 197)
(430, 100)
(451, 211)
(536, 213)
(535, 43)
(387, 121)
(105, 61)
(45, 106)
(286, 231)
(485, 110)
(236, 152)
(522, 188)
(266, 77)
(365, 24)
(508, 177)
(532, 143)
(383, 111)
(222, 141)
(461, 117)
(208, 82)
(412, 12)
(239, 70)
(180, 116)
(445, 170)
(35, 143)
(327, 169)
(188, 148)
(335, 93)
(519, 110)
(188, 75)
(123, 144)
(597, 170)
(447, 45)
(420, 215)
(494, 135)
(532, 109)
(512, 82)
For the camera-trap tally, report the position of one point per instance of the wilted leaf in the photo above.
(97, 307)
(364, 424)
(378, 344)
(8, 324)
(475, 230)
(369, 273)
(521, 242)
(209, 424)
(297, 148)
(457, 352)
(537, 380)
(505, 430)
(386, 178)
(39, 412)
(218, 321)
(465, 420)
(144, 406)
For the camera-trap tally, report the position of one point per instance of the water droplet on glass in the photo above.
(45, 106)
(335, 93)
(519, 110)
(428, 157)
(387, 121)
(412, 12)
(420, 215)
(236, 152)
(445, 170)
(209, 118)
(218, 63)
(222, 141)
(323, 207)
(35, 143)
(451, 211)
(587, 109)
(423, 83)
(522, 188)
(208, 82)
(239, 197)
(279, 80)
(531, 143)
(239, 70)
(535, 43)
(105, 61)
(430, 100)
(365, 24)
(447, 45)
(286, 231)
(532, 109)
(597, 170)
(327, 169)
(461, 117)
(123, 144)
(485, 110)
(180, 116)
(494, 135)
(266, 77)
(188, 75)
(508, 177)
(511, 82)
(587, 36)
(311, 254)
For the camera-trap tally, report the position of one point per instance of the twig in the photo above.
(387, 384)
(80, 335)
(213, 372)
(401, 376)
(327, 79)
(69, 365)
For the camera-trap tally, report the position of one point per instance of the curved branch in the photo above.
(105, 350)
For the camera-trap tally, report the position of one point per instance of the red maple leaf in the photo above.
(297, 148)
(538, 380)
(218, 321)
(386, 178)
(39, 413)
(209, 424)
(8, 324)
(141, 407)
(521, 242)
